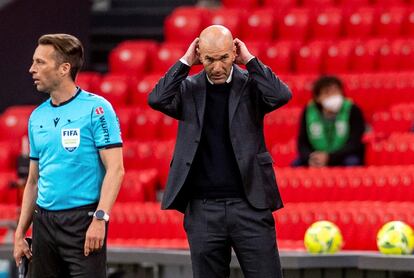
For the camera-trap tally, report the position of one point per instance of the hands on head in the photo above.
(192, 55)
(243, 55)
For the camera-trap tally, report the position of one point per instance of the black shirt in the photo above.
(214, 172)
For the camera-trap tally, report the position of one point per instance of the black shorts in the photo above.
(58, 245)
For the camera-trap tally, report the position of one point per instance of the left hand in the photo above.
(243, 54)
(318, 159)
(95, 236)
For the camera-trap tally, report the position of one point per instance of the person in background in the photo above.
(331, 128)
(75, 168)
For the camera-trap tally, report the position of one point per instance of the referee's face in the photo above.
(45, 69)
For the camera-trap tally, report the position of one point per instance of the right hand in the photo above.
(191, 56)
(21, 248)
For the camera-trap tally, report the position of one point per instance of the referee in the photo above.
(75, 170)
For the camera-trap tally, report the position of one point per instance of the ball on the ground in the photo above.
(395, 238)
(323, 237)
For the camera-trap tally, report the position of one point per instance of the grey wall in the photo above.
(22, 22)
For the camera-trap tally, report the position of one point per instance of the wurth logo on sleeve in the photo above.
(99, 111)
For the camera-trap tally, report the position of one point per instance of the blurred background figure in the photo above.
(331, 128)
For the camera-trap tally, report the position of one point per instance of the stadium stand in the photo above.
(369, 46)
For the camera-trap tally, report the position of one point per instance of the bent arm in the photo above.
(273, 92)
(166, 96)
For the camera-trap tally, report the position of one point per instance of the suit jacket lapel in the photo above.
(239, 81)
(199, 95)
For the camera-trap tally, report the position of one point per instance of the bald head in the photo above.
(215, 36)
(217, 52)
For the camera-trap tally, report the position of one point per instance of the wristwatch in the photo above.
(101, 215)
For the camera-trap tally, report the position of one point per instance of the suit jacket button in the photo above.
(188, 163)
(197, 141)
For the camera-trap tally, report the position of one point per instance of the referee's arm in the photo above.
(113, 163)
(21, 248)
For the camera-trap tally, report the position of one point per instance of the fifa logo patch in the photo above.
(70, 138)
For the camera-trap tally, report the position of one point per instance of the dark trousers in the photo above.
(58, 245)
(215, 226)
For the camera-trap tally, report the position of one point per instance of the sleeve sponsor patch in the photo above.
(99, 110)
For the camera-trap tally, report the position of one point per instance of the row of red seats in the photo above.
(381, 149)
(139, 58)
(140, 186)
(359, 222)
(145, 221)
(153, 243)
(399, 118)
(386, 88)
(247, 4)
(373, 183)
(282, 125)
(397, 149)
(147, 226)
(265, 24)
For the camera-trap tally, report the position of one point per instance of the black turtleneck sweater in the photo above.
(214, 172)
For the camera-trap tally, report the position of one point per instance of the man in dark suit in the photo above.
(221, 174)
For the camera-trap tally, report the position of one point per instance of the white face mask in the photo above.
(333, 103)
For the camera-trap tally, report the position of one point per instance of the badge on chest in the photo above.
(70, 138)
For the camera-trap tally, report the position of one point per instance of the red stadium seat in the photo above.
(390, 22)
(185, 24)
(354, 3)
(115, 88)
(295, 25)
(279, 56)
(168, 128)
(131, 190)
(338, 56)
(359, 22)
(408, 27)
(282, 126)
(257, 48)
(309, 59)
(365, 56)
(318, 3)
(301, 86)
(405, 50)
(240, 4)
(163, 151)
(381, 3)
(125, 114)
(258, 26)
(88, 81)
(280, 3)
(145, 124)
(231, 18)
(132, 57)
(168, 54)
(389, 56)
(13, 122)
(327, 24)
(284, 154)
(141, 89)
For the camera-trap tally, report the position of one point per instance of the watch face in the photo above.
(100, 214)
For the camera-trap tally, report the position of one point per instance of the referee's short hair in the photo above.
(68, 49)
